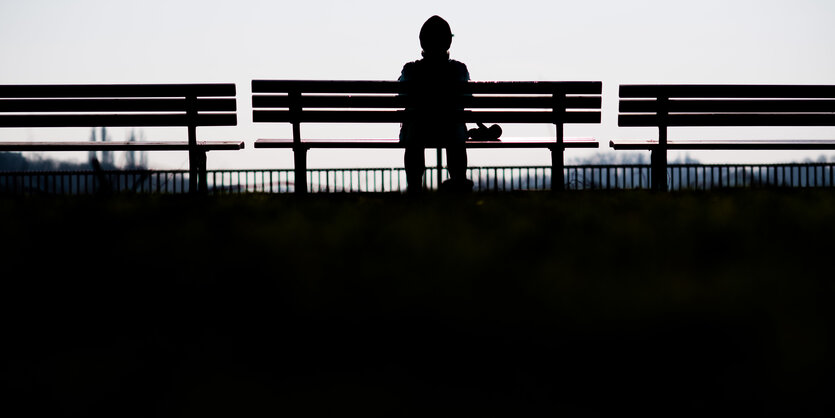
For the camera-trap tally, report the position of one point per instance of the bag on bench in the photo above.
(483, 133)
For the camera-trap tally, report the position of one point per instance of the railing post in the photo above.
(299, 150)
(658, 158)
(440, 157)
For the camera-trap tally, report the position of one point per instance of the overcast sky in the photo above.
(614, 41)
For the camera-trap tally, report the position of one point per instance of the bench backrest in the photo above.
(117, 105)
(300, 101)
(726, 105)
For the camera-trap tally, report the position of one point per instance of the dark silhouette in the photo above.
(433, 85)
(483, 133)
(187, 106)
(725, 105)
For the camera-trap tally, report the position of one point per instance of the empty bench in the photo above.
(123, 105)
(666, 106)
(313, 101)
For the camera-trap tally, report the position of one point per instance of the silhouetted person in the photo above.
(433, 91)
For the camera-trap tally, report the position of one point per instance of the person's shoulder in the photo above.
(409, 68)
(459, 68)
(458, 64)
(410, 65)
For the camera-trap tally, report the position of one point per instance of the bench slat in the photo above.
(725, 120)
(481, 102)
(395, 144)
(325, 86)
(116, 90)
(118, 146)
(537, 87)
(114, 105)
(326, 116)
(394, 87)
(730, 106)
(728, 144)
(110, 120)
(719, 91)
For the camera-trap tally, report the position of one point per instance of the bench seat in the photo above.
(545, 143)
(119, 146)
(727, 144)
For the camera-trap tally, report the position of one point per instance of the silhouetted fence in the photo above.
(585, 177)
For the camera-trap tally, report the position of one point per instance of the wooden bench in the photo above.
(123, 105)
(665, 106)
(309, 101)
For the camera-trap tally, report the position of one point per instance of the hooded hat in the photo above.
(435, 35)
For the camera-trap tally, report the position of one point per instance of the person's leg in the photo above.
(457, 165)
(457, 162)
(415, 163)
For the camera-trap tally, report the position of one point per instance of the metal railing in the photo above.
(348, 180)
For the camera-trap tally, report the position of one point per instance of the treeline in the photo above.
(15, 161)
(105, 160)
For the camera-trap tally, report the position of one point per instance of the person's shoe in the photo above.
(458, 186)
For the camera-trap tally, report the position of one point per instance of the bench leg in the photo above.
(438, 179)
(658, 160)
(197, 176)
(300, 164)
(557, 169)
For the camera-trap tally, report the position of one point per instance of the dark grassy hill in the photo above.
(489, 304)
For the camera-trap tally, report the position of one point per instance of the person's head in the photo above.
(435, 36)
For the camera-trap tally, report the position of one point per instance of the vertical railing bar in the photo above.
(380, 179)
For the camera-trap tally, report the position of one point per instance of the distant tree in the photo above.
(106, 159)
(136, 159)
(13, 161)
(92, 155)
(612, 158)
(106, 156)
(130, 156)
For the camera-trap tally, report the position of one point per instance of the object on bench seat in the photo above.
(123, 105)
(665, 106)
(311, 101)
(483, 133)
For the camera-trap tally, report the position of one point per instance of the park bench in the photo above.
(122, 105)
(310, 101)
(666, 106)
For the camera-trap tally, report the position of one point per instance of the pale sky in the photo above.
(613, 41)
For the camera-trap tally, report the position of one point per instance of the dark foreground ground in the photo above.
(580, 304)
